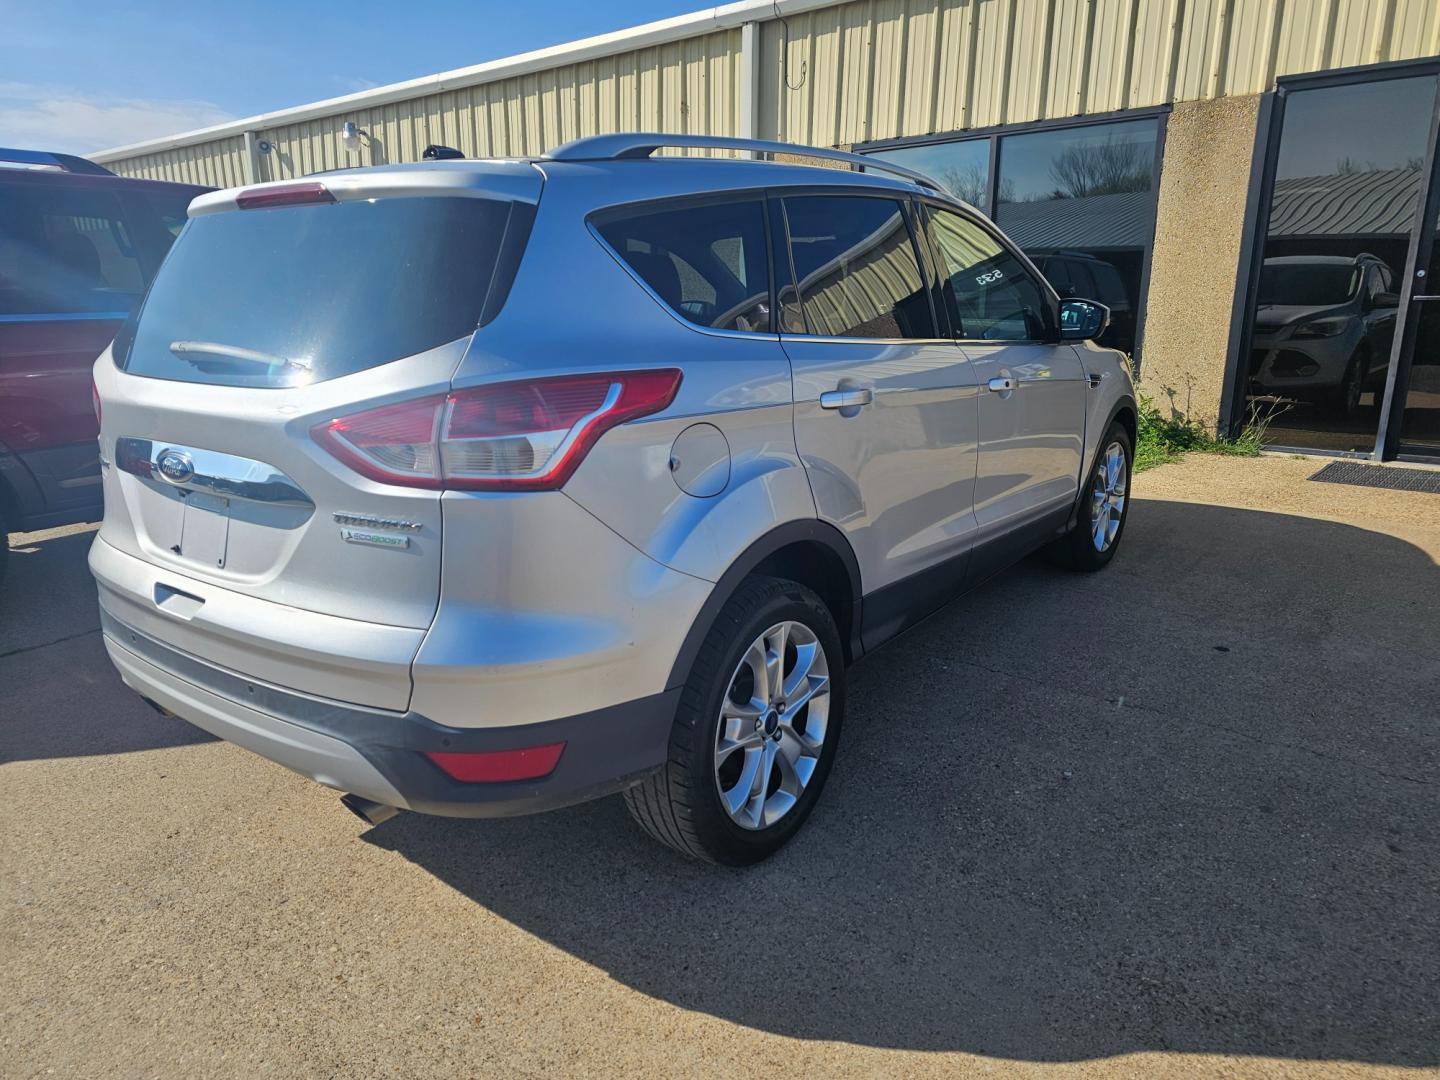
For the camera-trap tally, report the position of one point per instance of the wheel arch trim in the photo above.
(809, 530)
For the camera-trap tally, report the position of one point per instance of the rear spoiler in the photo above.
(44, 159)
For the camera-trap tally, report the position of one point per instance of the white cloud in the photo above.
(355, 85)
(59, 118)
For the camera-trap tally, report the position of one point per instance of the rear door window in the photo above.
(856, 272)
(705, 260)
(290, 295)
(68, 250)
(1109, 289)
(1071, 279)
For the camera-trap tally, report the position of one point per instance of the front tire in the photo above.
(1104, 505)
(756, 730)
(1342, 402)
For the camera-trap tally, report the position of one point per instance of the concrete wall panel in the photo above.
(1209, 147)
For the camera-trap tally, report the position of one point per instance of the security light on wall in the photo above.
(350, 136)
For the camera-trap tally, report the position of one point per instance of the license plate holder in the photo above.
(205, 529)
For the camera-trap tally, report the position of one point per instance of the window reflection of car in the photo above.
(1323, 329)
(1080, 276)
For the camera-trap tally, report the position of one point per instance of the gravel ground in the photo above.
(1175, 819)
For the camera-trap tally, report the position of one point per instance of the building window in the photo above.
(1078, 199)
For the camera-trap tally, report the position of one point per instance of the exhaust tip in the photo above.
(367, 810)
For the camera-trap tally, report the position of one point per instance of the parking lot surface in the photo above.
(1178, 818)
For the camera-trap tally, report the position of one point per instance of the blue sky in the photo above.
(85, 75)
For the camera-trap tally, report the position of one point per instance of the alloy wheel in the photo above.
(772, 725)
(1107, 496)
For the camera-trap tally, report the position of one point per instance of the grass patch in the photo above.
(1161, 439)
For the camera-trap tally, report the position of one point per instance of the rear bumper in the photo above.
(380, 754)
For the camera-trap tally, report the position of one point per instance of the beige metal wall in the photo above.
(220, 163)
(880, 69)
(687, 86)
(871, 69)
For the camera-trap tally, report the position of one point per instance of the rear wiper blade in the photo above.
(182, 349)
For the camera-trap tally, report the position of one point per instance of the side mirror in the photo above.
(1082, 320)
(1386, 300)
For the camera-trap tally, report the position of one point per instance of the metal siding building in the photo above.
(824, 74)
(1242, 137)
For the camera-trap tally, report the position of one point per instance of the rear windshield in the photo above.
(292, 295)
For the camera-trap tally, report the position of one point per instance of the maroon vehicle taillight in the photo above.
(527, 435)
(283, 195)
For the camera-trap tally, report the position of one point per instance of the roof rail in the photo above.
(42, 159)
(642, 145)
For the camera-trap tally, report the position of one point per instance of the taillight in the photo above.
(283, 195)
(95, 400)
(528, 435)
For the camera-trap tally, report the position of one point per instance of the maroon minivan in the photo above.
(78, 245)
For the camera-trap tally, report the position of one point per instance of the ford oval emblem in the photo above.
(174, 466)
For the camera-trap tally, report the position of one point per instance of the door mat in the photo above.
(1376, 476)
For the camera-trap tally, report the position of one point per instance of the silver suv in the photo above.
(484, 487)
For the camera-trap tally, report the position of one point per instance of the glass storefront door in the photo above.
(1344, 340)
(1419, 382)
(1346, 190)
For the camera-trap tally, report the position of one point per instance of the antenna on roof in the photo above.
(436, 152)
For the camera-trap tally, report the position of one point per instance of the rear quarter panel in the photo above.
(574, 306)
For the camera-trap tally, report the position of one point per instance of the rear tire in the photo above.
(1104, 505)
(747, 762)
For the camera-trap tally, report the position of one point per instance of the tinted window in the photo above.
(1307, 283)
(705, 260)
(1085, 190)
(1109, 289)
(963, 168)
(1348, 178)
(297, 294)
(1071, 278)
(991, 295)
(67, 249)
(856, 270)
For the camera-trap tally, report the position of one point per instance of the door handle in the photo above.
(845, 399)
(1000, 384)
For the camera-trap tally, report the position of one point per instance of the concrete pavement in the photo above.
(1178, 818)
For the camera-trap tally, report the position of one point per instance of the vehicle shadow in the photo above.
(1187, 804)
(47, 593)
(55, 678)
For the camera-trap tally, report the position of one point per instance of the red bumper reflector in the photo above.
(494, 766)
